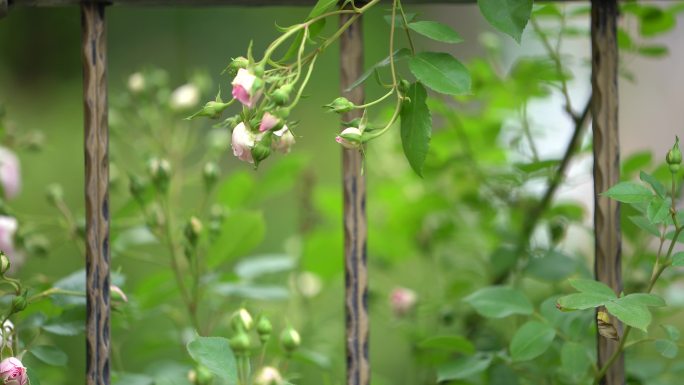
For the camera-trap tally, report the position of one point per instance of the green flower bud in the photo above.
(204, 375)
(557, 229)
(240, 342)
(55, 194)
(160, 173)
(193, 229)
(212, 110)
(19, 303)
(258, 85)
(282, 95)
(290, 340)
(340, 105)
(259, 70)
(674, 156)
(210, 175)
(237, 63)
(404, 86)
(4, 263)
(264, 329)
(242, 321)
(136, 187)
(262, 149)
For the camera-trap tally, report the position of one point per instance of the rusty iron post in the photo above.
(96, 135)
(604, 77)
(355, 226)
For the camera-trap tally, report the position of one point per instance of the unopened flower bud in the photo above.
(404, 86)
(402, 300)
(237, 63)
(200, 376)
(242, 320)
(137, 187)
(247, 87)
(212, 110)
(19, 303)
(55, 194)
(262, 149)
(268, 375)
(193, 229)
(160, 173)
(282, 95)
(290, 340)
(185, 97)
(674, 157)
(264, 329)
(117, 294)
(4, 263)
(136, 83)
(349, 138)
(210, 174)
(557, 229)
(13, 372)
(239, 342)
(340, 105)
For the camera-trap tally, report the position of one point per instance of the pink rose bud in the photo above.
(283, 140)
(10, 176)
(268, 121)
(244, 88)
(243, 142)
(13, 372)
(349, 137)
(402, 300)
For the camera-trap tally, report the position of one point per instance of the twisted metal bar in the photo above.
(94, 52)
(355, 226)
(3, 8)
(608, 264)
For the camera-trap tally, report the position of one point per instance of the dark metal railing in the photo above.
(94, 51)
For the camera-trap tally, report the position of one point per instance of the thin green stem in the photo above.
(394, 117)
(304, 83)
(406, 28)
(374, 102)
(391, 43)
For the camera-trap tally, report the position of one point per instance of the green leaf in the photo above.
(592, 287)
(678, 259)
(653, 50)
(449, 343)
(499, 302)
(581, 301)
(441, 72)
(399, 55)
(644, 299)
(658, 209)
(436, 31)
(531, 340)
(632, 314)
(241, 231)
(574, 359)
(321, 7)
(672, 332)
(554, 266)
(416, 127)
(70, 323)
(216, 355)
(508, 16)
(49, 354)
(644, 224)
(256, 266)
(33, 377)
(463, 367)
(236, 190)
(655, 183)
(629, 192)
(252, 291)
(667, 348)
(635, 162)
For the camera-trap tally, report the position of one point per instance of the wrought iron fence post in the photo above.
(355, 226)
(604, 77)
(96, 135)
(3, 8)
